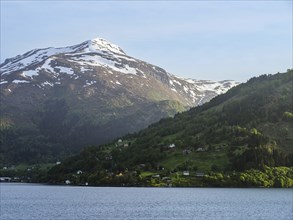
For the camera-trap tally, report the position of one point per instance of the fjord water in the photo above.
(32, 201)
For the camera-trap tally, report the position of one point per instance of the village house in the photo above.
(16, 179)
(186, 151)
(171, 146)
(119, 174)
(199, 174)
(200, 149)
(142, 165)
(5, 179)
(108, 157)
(156, 176)
(67, 182)
(166, 178)
(186, 173)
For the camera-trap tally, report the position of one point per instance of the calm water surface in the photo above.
(32, 201)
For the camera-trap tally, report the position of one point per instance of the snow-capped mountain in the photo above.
(91, 93)
(95, 59)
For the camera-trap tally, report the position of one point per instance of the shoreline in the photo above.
(150, 187)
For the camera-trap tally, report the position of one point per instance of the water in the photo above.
(32, 201)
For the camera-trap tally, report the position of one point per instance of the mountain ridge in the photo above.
(104, 49)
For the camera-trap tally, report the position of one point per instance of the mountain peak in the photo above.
(100, 44)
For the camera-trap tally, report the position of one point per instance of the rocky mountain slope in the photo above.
(55, 101)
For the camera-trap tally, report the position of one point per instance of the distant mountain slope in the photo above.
(249, 127)
(55, 101)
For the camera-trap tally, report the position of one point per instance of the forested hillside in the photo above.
(234, 136)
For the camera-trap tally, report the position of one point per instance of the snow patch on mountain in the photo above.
(99, 44)
(47, 66)
(31, 58)
(94, 60)
(48, 83)
(66, 70)
(30, 73)
(20, 81)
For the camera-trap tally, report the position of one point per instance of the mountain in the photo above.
(55, 101)
(241, 138)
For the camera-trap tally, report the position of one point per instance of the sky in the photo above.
(213, 40)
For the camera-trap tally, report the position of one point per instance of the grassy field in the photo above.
(202, 160)
(147, 173)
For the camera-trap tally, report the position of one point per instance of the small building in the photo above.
(58, 162)
(142, 165)
(166, 178)
(172, 146)
(186, 151)
(120, 174)
(200, 149)
(125, 145)
(86, 184)
(67, 182)
(79, 172)
(156, 176)
(5, 179)
(16, 179)
(108, 157)
(4, 168)
(199, 174)
(186, 173)
(119, 141)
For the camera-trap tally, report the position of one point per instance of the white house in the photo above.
(186, 173)
(67, 182)
(171, 146)
(5, 179)
(156, 176)
(79, 172)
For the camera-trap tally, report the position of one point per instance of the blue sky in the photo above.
(193, 39)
